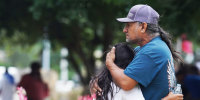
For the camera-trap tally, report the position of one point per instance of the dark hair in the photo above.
(123, 56)
(35, 70)
(165, 36)
(35, 66)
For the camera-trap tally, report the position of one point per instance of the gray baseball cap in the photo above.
(141, 13)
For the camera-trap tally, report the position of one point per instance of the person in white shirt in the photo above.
(7, 86)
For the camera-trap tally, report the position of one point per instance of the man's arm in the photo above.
(122, 80)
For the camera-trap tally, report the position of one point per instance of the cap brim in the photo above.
(124, 20)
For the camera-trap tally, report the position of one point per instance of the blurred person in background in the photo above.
(192, 83)
(187, 49)
(188, 76)
(33, 84)
(7, 86)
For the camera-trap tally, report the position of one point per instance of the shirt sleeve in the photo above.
(142, 69)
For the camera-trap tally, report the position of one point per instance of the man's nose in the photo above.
(125, 30)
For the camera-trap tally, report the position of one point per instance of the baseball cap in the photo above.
(141, 13)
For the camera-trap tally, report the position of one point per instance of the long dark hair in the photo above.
(123, 56)
(165, 36)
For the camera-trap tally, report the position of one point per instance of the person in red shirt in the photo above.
(187, 48)
(33, 84)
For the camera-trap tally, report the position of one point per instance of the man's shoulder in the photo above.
(155, 47)
(156, 50)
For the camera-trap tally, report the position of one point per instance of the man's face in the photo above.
(133, 32)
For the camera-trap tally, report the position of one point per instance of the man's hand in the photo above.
(94, 87)
(110, 57)
(172, 96)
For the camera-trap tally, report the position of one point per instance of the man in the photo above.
(153, 63)
(32, 82)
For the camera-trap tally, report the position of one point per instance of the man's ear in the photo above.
(144, 27)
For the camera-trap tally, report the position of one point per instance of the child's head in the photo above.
(123, 55)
